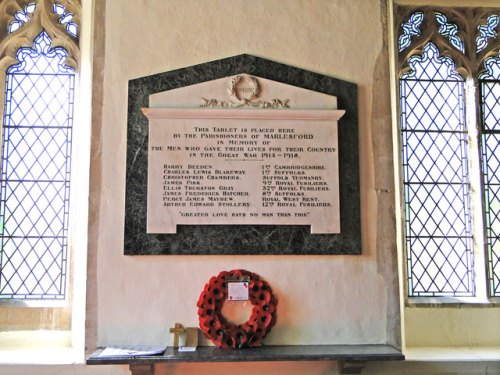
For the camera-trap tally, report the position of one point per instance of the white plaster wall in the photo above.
(337, 299)
(270, 368)
(449, 327)
(322, 299)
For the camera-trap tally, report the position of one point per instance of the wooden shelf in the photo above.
(351, 358)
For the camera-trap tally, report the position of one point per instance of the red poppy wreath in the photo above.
(231, 336)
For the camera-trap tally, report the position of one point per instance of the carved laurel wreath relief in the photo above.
(244, 91)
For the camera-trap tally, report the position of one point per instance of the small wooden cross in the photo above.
(177, 330)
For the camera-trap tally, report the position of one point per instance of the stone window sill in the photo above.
(38, 347)
(453, 354)
(452, 302)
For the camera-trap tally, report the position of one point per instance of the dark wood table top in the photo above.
(370, 352)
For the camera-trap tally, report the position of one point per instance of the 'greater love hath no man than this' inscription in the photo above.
(243, 166)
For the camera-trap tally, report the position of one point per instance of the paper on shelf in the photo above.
(130, 351)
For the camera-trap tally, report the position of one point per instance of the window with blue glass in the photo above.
(36, 162)
(449, 122)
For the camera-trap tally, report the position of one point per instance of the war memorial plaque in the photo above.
(217, 94)
(253, 151)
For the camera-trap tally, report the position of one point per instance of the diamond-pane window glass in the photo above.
(35, 173)
(435, 177)
(490, 142)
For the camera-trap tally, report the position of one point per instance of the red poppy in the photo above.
(229, 336)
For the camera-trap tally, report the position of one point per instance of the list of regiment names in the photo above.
(218, 171)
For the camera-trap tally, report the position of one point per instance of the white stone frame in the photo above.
(469, 65)
(66, 345)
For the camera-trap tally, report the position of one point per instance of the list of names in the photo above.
(244, 171)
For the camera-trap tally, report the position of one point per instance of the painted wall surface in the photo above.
(322, 299)
(334, 299)
(448, 327)
(270, 368)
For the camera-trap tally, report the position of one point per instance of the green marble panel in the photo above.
(241, 239)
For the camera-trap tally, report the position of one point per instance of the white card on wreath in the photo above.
(237, 291)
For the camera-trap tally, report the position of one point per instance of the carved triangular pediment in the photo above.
(242, 91)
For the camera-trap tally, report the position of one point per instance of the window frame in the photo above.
(25, 322)
(51, 178)
(43, 19)
(398, 13)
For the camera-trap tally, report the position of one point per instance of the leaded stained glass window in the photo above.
(490, 126)
(21, 17)
(35, 173)
(435, 168)
(438, 69)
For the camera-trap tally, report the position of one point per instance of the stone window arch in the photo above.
(449, 89)
(37, 111)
